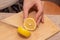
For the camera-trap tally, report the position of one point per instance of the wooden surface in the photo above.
(9, 32)
(51, 8)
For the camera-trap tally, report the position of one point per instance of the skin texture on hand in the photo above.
(29, 4)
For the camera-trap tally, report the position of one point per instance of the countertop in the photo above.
(56, 20)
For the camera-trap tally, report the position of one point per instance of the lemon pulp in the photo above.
(29, 24)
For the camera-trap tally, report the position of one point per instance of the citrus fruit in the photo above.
(23, 32)
(29, 24)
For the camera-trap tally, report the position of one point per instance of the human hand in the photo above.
(28, 4)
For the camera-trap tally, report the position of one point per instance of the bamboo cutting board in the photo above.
(9, 32)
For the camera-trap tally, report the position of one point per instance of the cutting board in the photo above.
(8, 30)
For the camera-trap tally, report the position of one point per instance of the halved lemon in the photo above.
(23, 32)
(29, 24)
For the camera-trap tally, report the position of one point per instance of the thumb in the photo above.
(25, 13)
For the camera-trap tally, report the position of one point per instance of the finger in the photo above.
(25, 13)
(25, 10)
(39, 19)
(40, 7)
(38, 15)
(42, 19)
(27, 5)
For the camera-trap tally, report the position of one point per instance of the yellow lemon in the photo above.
(29, 24)
(23, 32)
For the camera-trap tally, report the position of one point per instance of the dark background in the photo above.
(17, 7)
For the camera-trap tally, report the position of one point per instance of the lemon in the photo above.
(29, 24)
(23, 32)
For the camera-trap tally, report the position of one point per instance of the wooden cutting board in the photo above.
(8, 30)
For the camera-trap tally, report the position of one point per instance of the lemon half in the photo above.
(29, 24)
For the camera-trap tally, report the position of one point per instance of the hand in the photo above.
(28, 4)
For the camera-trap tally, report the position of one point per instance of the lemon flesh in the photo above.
(29, 24)
(23, 32)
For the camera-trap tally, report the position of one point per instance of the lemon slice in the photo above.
(29, 24)
(23, 32)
